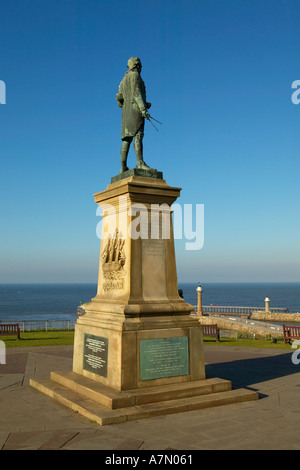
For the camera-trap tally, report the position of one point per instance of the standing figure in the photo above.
(132, 99)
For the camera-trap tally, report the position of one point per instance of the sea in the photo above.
(40, 302)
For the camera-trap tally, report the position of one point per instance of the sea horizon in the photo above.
(179, 282)
(54, 301)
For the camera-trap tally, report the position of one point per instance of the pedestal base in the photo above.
(144, 366)
(142, 350)
(104, 405)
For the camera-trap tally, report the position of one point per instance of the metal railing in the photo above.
(44, 325)
(238, 310)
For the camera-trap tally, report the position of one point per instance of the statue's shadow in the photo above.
(250, 373)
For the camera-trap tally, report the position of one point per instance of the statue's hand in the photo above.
(120, 99)
(148, 105)
(145, 114)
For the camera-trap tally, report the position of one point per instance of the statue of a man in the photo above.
(132, 99)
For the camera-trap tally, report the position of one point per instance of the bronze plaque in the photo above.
(164, 357)
(95, 354)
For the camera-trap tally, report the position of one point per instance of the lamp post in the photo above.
(199, 305)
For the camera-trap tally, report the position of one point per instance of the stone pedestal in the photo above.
(137, 311)
(138, 351)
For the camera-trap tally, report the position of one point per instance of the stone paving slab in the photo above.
(7, 380)
(39, 365)
(38, 440)
(30, 420)
(101, 439)
(3, 438)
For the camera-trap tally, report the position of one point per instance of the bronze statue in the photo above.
(132, 99)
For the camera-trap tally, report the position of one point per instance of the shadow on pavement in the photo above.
(248, 372)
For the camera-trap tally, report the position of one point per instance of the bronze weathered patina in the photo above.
(132, 99)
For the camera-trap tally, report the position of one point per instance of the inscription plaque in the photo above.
(164, 357)
(154, 269)
(95, 354)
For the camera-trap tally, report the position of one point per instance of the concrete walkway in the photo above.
(31, 420)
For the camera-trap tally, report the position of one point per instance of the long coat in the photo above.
(132, 99)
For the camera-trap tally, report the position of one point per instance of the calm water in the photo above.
(59, 301)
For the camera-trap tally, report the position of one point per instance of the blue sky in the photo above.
(218, 74)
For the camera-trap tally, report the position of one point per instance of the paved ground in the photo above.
(31, 420)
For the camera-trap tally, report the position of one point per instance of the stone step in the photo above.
(104, 416)
(113, 399)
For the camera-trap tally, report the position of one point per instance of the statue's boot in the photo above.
(124, 167)
(142, 165)
(124, 154)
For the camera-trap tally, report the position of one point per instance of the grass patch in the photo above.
(39, 338)
(255, 343)
(64, 337)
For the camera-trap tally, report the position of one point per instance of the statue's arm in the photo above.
(119, 97)
(147, 104)
(137, 93)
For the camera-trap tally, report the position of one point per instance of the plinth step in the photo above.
(113, 399)
(104, 416)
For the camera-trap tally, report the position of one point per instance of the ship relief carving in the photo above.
(113, 261)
